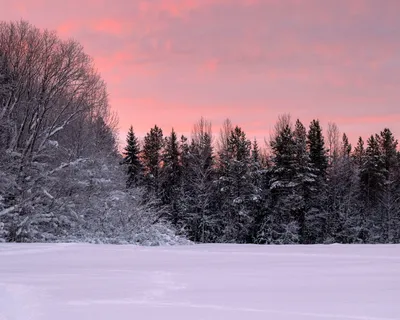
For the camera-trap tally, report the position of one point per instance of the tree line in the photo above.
(304, 188)
(62, 177)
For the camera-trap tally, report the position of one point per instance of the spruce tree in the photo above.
(258, 195)
(373, 172)
(305, 179)
(234, 184)
(389, 200)
(345, 149)
(202, 220)
(184, 151)
(281, 221)
(388, 146)
(131, 159)
(373, 178)
(153, 144)
(342, 195)
(316, 145)
(359, 152)
(170, 177)
(318, 220)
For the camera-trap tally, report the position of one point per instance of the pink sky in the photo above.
(169, 62)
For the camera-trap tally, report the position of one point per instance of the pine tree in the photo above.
(170, 177)
(389, 200)
(201, 218)
(284, 153)
(234, 184)
(153, 144)
(131, 159)
(255, 153)
(359, 152)
(318, 220)
(345, 150)
(305, 179)
(316, 145)
(281, 221)
(342, 195)
(388, 146)
(184, 150)
(372, 172)
(259, 194)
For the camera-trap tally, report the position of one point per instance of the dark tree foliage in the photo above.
(132, 159)
(316, 145)
(170, 176)
(153, 144)
(281, 224)
(293, 195)
(359, 152)
(234, 191)
(200, 216)
(372, 172)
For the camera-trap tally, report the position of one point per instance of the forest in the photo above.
(63, 177)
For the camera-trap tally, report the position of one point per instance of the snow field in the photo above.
(82, 281)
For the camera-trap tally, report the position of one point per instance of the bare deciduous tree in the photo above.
(224, 134)
(53, 110)
(333, 141)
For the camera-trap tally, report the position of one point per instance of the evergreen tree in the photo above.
(255, 153)
(202, 220)
(258, 178)
(305, 179)
(389, 200)
(131, 159)
(153, 144)
(379, 188)
(388, 146)
(316, 145)
(372, 172)
(170, 177)
(342, 195)
(284, 154)
(345, 150)
(184, 150)
(234, 185)
(359, 152)
(281, 221)
(318, 220)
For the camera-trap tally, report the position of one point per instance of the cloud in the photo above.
(177, 60)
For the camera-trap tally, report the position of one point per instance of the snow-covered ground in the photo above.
(81, 281)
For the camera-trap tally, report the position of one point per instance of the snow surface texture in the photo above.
(83, 281)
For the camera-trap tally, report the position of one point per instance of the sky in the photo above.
(171, 62)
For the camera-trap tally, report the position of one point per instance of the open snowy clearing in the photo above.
(81, 281)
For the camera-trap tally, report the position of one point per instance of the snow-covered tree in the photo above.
(234, 186)
(281, 223)
(170, 177)
(60, 178)
(201, 220)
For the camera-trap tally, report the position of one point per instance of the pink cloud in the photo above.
(209, 66)
(109, 26)
(172, 61)
(68, 28)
